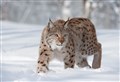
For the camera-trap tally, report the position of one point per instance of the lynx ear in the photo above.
(66, 23)
(50, 24)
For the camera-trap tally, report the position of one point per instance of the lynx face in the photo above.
(57, 36)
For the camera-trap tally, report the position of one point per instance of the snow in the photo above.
(19, 53)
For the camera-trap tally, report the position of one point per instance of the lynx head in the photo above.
(57, 36)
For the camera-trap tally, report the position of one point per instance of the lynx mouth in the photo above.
(59, 47)
(56, 46)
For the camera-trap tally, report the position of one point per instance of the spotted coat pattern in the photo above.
(70, 41)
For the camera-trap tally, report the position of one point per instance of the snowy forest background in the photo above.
(103, 13)
(21, 26)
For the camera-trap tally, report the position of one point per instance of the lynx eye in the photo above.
(65, 35)
(56, 35)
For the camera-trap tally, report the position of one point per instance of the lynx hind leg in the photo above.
(82, 62)
(97, 58)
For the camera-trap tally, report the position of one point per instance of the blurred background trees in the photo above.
(103, 13)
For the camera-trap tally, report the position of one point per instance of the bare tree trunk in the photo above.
(65, 10)
(4, 11)
(87, 8)
(26, 13)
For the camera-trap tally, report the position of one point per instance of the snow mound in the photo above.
(19, 51)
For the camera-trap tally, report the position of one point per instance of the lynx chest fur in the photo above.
(70, 41)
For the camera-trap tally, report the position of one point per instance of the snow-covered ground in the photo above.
(19, 53)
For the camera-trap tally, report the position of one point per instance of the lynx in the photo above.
(70, 41)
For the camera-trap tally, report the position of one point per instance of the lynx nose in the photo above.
(61, 40)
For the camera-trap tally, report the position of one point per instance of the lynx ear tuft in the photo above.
(66, 23)
(50, 23)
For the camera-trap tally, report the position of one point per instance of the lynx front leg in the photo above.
(43, 61)
(97, 58)
(42, 66)
(69, 61)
